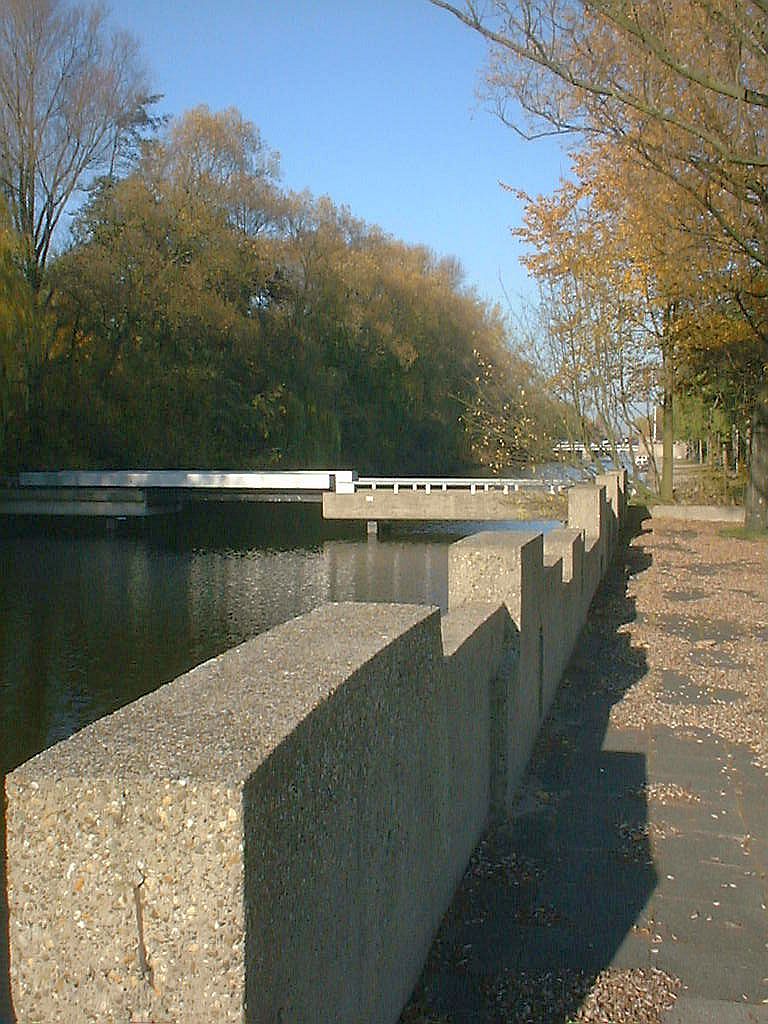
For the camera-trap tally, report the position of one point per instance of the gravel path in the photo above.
(630, 881)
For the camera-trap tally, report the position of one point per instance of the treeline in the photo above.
(203, 316)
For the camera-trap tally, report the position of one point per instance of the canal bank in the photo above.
(350, 759)
(94, 617)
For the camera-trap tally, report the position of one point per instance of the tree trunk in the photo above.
(757, 489)
(666, 492)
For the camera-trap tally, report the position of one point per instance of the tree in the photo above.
(159, 300)
(15, 311)
(70, 98)
(682, 84)
(278, 328)
(221, 159)
(73, 102)
(627, 288)
(510, 416)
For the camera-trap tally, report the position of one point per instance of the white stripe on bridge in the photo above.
(175, 479)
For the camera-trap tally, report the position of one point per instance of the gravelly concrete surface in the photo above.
(630, 884)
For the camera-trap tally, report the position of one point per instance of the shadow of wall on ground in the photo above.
(554, 890)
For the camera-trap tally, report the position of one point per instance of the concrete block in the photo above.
(565, 622)
(699, 513)
(587, 511)
(265, 836)
(594, 561)
(623, 493)
(610, 481)
(586, 508)
(474, 640)
(566, 544)
(491, 567)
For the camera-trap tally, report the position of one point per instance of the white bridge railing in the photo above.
(472, 484)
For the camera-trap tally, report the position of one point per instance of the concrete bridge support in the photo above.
(275, 835)
(448, 505)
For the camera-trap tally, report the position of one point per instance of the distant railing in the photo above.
(471, 484)
(604, 448)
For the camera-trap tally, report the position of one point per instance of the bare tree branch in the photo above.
(69, 93)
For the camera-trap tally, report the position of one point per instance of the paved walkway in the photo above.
(631, 883)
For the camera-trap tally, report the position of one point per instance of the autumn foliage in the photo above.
(203, 316)
(655, 257)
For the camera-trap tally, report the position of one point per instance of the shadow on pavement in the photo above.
(554, 891)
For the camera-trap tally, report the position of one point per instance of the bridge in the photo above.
(376, 499)
(344, 495)
(129, 493)
(604, 448)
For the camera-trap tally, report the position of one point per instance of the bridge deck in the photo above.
(119, 493)
(444, 505)
(131, 493)
(181, 479)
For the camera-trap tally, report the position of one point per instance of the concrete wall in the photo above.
(533, 503)
(275, 835)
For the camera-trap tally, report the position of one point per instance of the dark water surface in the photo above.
(93, 616)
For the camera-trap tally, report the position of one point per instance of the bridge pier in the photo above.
(449, 505)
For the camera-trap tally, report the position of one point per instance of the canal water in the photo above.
(93, 616)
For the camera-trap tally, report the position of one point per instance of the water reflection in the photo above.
(394, 570)
(92, 620)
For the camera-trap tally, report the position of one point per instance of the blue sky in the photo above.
(372, 102)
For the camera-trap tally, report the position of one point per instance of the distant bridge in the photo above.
(376, 499)
(131, 493)
(603, 448)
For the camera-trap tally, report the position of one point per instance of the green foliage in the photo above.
(720, 379)
(205, 317)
